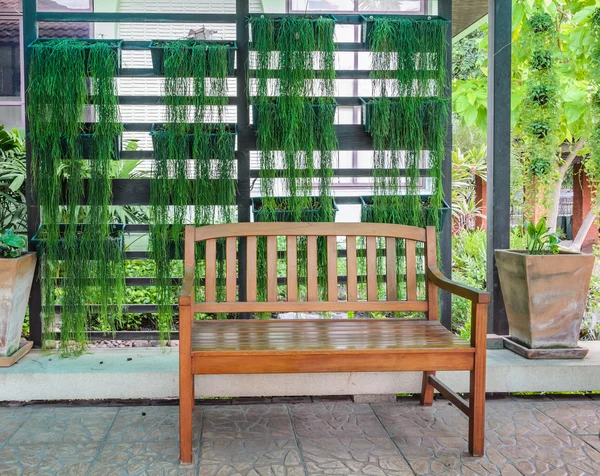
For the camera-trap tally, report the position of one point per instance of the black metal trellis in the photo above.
(137, 191)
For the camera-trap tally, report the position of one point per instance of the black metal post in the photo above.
(498, 153)
(445, 11)
(245, 136)
(33, 211)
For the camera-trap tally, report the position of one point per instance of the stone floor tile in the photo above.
(151, 423)
(353, 456)
(580, 417)
(247, 421)
(11, 420)
(255, 457)
(335, 419)
(548, 454)
(519, 418)
(47, 459)
(140, 458)
(449, 456)
(412, 419)
(65, 425)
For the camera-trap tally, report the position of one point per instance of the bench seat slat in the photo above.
(323, 335)
(314, 306)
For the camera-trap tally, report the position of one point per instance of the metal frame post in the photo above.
(498, 153)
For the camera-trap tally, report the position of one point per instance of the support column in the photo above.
(445, 11)
(498, 152)
(582, 204)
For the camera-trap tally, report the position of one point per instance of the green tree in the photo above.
(572, 120)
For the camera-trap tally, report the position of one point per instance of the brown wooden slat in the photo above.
(351, 281)
(231, 272)
(271, 268)
(411, 271)
(292, 269)
(390, 271)
(309, 229)
(251, 269)
(311, 268)
(211, 272)
(314, 306)
(332, 286)
(431, 260)
(372, 269)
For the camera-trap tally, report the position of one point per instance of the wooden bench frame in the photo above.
(466, 356)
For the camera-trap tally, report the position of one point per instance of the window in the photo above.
(363, 6)
(10, 60)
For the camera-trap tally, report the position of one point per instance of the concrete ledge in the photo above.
(150, 373)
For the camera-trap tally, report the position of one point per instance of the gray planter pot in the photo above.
(545, 296)
(16, 277)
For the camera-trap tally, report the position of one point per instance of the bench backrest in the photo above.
(379, 239)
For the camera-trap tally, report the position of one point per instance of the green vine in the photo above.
(195, 89)
(540, 138)
(592, 164)
(294, 123)
(85, 257)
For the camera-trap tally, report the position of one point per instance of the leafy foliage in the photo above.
(13, 170)
(11, 245)
(539, 239)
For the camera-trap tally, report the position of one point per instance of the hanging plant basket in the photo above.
(367, 21)
(159, 133)
(86, 138)
(283, 214)
(115, 46)
(157, 51)
(323, 113)
(116, 236)
(277, 22)
(367, 214)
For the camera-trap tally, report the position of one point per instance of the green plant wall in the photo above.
(89, 263)
(195, 97)
(408, 117)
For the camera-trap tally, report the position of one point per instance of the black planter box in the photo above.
(157, 51)
(366, 23)
(158, 133)
(115, 46)
(116, 231)
(308, 215)
(367, 212)
(86, 139)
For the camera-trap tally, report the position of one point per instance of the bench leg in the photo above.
(477, 412)
(186, 407)
(427, 390)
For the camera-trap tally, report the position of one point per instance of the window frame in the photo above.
(20, 101)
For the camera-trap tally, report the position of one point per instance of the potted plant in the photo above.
(545, 291)
(157, 51)
(16, 277)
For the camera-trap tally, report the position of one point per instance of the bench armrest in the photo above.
(186, 295)
(435, 276)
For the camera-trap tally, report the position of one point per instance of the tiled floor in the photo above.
(552, 436)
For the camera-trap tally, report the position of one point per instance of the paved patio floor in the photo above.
(292, 437)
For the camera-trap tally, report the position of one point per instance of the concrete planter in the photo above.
(16, 277)
(545, 296)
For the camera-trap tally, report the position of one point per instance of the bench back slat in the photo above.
(351, 279)
(390, 270)
(211, 271)
(292, 269)
(231, 263)
(251, 269)
(311, 268)
(370, 248)
(411, 270)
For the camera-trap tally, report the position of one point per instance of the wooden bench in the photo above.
(348, 345)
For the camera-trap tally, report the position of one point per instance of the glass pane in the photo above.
(322, 5)
(10, 6)
(10, 60)
(403, 6)
(65, 30)
(63, 5)
(10, 117)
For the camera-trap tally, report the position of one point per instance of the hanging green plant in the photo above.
(540, 138)
(83, 256)
(592, 163)
(293, 115)
(195, 89)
